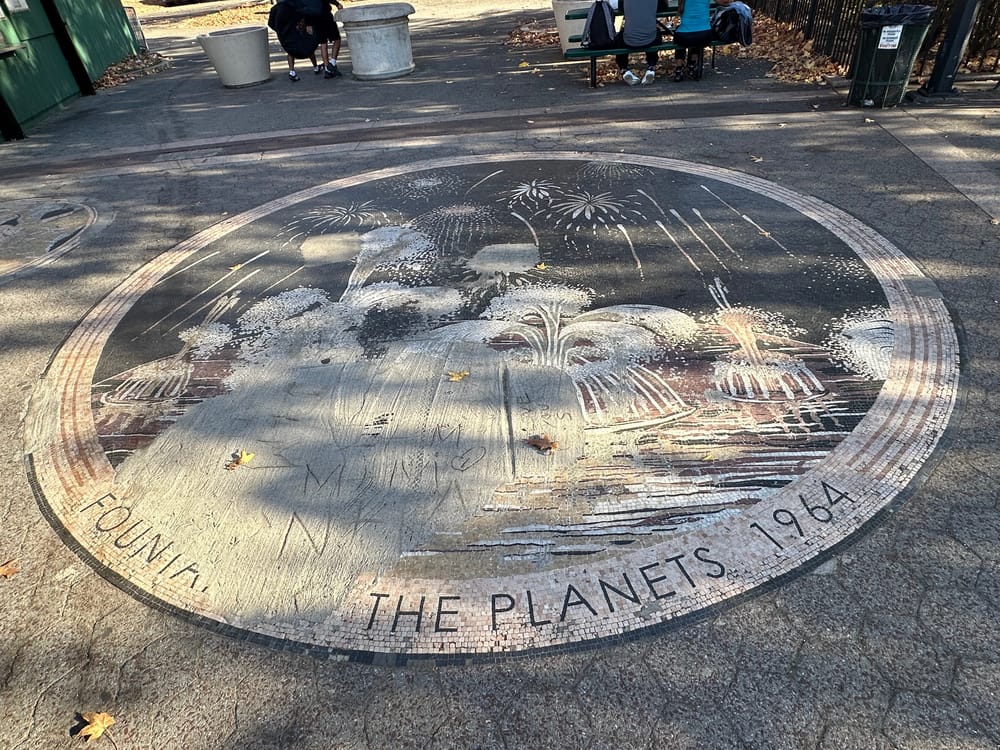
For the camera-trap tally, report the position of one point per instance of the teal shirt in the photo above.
(695, 16)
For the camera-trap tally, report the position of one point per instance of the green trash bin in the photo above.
(890, 39)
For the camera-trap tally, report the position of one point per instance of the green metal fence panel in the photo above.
(100, 32)
(36, 79)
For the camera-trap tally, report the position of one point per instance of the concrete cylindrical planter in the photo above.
(379, 39)
(566, 28)
(241, 56)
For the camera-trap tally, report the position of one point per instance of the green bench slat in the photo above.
(581, 53)
(581, 14)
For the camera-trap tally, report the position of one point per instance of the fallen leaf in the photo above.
(456, 375)
(10, 568)
(534, 34)
(237, 267)
(131, 68)
(542, 443)
(540, 266)
(708, 457)
(869, 120)
(239, 458)
(756, 158)
(97, 722)
(524, 64)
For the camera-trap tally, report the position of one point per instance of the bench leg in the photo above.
(593, 72)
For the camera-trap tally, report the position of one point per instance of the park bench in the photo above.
(592, 55)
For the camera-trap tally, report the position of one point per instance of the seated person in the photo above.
(693, 34)
(638, 31)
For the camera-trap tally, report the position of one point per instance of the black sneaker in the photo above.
(331, 72)
(293, 76)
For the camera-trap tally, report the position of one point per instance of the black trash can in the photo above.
(890, 39)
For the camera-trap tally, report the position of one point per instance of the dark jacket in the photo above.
(284, 18)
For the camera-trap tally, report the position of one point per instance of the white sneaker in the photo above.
(630, 78)
(648, 78)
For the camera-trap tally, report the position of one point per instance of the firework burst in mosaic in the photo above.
(426, 185)
(455, 225)
(611, 171)
(532, 194)
(363, 214)
(583, 210)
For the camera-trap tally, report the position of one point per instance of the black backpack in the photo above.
(599, 28)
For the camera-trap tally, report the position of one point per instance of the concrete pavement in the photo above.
(886, 639)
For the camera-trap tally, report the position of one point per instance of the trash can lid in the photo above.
(893, 15)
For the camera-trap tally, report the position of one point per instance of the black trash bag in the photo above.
(895, 15)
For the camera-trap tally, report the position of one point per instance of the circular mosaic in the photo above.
(496, 403)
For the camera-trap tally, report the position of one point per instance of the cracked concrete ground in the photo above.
(892, 642)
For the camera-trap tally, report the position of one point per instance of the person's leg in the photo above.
(622, 61)
(292, 75)
(627, 75)
(695, 62)
(333, 36)
(651, 59)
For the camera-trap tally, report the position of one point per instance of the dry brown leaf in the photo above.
(137, 66)
(534, 34)
(457, 375)
(238, 16)
(97, 722)
(9, 569)
(239, 458)
(542, 443)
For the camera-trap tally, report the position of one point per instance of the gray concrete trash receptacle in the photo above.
(566, 28)
(240, 56)
(378, 37)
